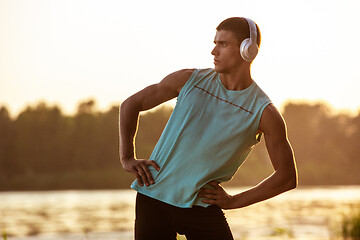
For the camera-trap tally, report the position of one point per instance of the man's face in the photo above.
(226, 52)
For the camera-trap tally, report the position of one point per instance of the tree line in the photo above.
(44, 149)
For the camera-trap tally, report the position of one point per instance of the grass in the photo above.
(4, 235)
(350, 226)
(282, 232)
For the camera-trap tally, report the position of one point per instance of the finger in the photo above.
(207, 196)
(143, 176)
(135, 171)
(215, 184)
(148, 176)
(154, 164)
(209, 201)
(138, 177)
(207, 191)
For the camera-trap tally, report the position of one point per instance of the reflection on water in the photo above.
(82, 212)
(304, 213)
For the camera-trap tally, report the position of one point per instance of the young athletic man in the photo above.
(220, 114)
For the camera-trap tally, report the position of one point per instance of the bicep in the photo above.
(277, 143)
(152, 96)
(163, 91)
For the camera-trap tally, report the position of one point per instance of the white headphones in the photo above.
(249, 47)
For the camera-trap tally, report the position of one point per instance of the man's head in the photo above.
(240, 28)
(230, 34)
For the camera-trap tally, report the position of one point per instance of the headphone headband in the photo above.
(252, 29)
(249, 47)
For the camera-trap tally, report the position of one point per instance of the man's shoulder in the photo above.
(206, 71)
(183, 73)
(271, 119)
(271, 110)
(176, 80)
(189, 76)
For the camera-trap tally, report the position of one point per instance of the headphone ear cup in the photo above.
(247, 50)
(244, 48)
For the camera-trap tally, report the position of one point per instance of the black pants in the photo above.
(160, 221)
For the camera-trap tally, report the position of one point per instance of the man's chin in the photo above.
(217, 69)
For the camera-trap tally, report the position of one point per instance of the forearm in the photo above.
(128, 122)
(274, 185)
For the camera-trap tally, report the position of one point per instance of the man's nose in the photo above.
(214, 51)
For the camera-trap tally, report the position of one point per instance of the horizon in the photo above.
(332, 110)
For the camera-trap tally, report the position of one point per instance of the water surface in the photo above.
(304, 213)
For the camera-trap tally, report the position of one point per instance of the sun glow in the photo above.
(66, 51)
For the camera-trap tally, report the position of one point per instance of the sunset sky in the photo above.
(66, 51)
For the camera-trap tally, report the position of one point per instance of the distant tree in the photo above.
(39, 138)
(108, 148)
(94, 141)
(151, 125)
(322, 143)
(85, 137)
(44, 149)
(6, 134)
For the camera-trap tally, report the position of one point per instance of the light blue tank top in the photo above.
(208, 136)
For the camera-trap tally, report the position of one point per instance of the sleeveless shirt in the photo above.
(208, 136)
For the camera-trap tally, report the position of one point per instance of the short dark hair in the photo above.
(239, 27)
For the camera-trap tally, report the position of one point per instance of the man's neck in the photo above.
(237, 80)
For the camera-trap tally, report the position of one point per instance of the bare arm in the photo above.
(145, 99)
(284, 177)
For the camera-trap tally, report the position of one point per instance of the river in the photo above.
(306, 213)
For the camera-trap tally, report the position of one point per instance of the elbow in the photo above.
(287, 180)
(292, 181)
(122, 110)
(293, 184)
(129, 105)
(124, 105)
